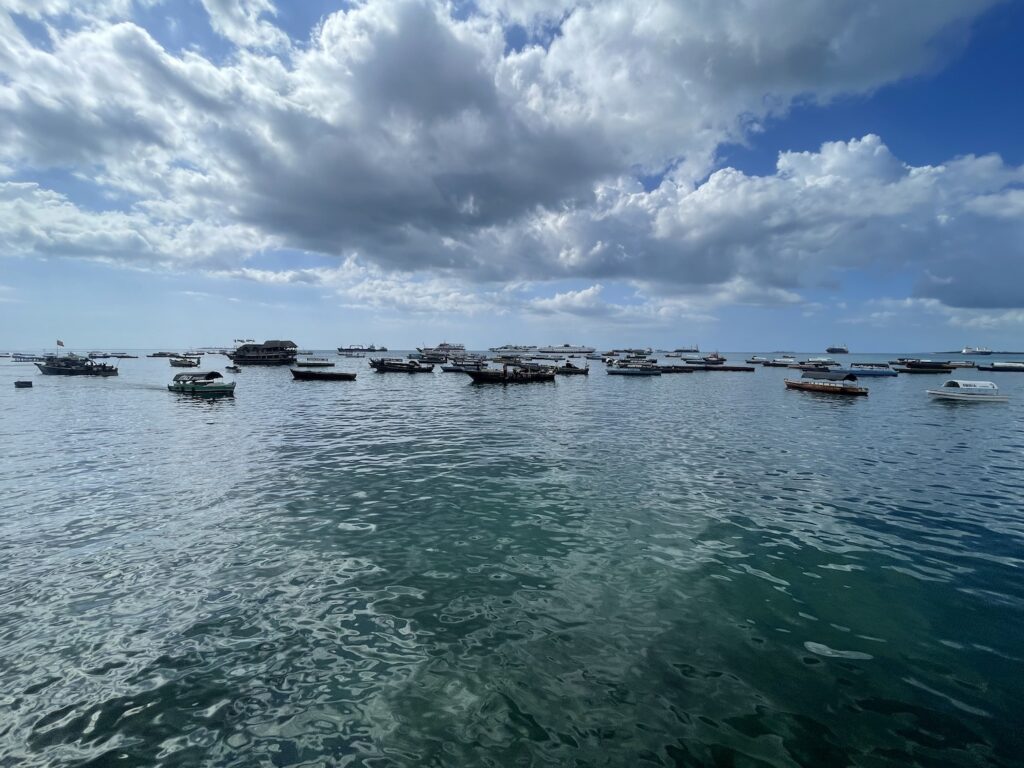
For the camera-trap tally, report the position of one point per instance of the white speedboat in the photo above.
(970, 391)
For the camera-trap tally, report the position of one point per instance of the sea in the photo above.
(702, 569)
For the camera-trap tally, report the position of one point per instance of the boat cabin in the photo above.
(977, 386)
(197, 376)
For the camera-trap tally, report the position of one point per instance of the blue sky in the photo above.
(176, 174)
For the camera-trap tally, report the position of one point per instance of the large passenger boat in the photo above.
(271, 352)
(73, 365)
(566, 349)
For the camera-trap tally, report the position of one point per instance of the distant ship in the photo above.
(273, 352)
(361, 348)
(975, 351)
(840, 350)
(566, 349)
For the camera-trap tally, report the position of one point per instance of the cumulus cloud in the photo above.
(416, 143)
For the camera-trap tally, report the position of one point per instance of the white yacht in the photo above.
(970, 391)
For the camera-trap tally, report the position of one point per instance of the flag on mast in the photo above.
(60, 343)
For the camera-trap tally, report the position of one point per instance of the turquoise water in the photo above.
(699, 569)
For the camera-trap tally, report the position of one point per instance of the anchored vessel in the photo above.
(969, 391)
(839, 349)
(396, 365)
(510, 376)
(271, 352)
(314, 362)
(566, 349)
(827, 387)
(72, 365)
(322, 375)
(202, 384)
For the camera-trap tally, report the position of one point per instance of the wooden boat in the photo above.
(931, 369)
(22, 384)
(713, 359)
(676, 368)
(723, 368)
(572, 370)
(827, 374)
(969, 391)
(757, 360)
(827, 387)
(314, 362)
(184, 362)
(510, 376)
(75, 366)
(861, 372)
(322, 375)
(779, 362)
(396, 365)
(202, 384)
(634, 369)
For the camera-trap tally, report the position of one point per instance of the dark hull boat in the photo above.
(572, 370)
(928, 369)
(388, 365)
(322, 375)
(825, 387)
(494, 376)
(75, 366)
(23, 385)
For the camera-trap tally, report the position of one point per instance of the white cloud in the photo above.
(414, 142)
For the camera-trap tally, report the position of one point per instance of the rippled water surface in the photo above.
(700, 569)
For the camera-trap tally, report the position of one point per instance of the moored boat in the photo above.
(300, 375)
(1006, 367)
(968, 391)
(72, 365)
(839, 349)
(633, 369)
(270, 352)
(397, 365)
(23, 385)
(233, 368)
(825, 387)
(184, 362)
(314, 362)
(572, 370)
(508, 375)
(202, 384)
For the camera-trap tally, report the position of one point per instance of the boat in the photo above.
(72, 365)
(233, 368)
(757, 360)
(507, 375)
(322, 375)
(513, 349)
(969, 391)
(566, 350)
(19, 357)
(397, 365)
(862, 372)
(270, 352)
(693, 349)
(314, 362)
(826, 387)
(779, 362)
(22, 385)
(357, 350)
(164, 354)
(1006, 367)
(5, 354)
(633, 369)
(202, 384)
(827, 374)
(461, 365)
(924, 370)
(840, 349)
(818, 361)
(870, 365)
(572, 370)
(184, 362)
(975, 351)
(713, 359)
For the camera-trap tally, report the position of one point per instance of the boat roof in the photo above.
(198, 376)
(968, 384)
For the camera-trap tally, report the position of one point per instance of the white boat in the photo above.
(975, 351)
(1000, 365)
(970, 391)
(566, 349)
(513, 349)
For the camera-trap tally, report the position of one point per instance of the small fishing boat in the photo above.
(757, 360)
(184, 362)
(827, 374)
(510, 376)
(633, 369)
(397, 365)
(314, 362)
(72, 365)
(779, 362)
(322, 375)
(572, 370)
(713, 359)
(202, 384)
(233, 368)
(22, 384)
(969, 391)
(826, 387)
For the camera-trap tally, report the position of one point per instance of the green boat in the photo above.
(202, 384)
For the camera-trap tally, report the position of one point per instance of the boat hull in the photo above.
(49, 370)
(322, 375)
(634, 372)
(963, 397)
(204, 390)
(510, 377)
(826, 387)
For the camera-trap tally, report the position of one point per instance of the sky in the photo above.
(786, 174)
